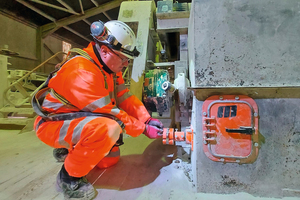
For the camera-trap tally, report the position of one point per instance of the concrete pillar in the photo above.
(249, 47)
(3, 79)
(139, 16)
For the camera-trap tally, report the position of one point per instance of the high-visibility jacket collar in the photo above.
(94, 53)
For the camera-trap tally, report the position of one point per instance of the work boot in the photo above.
(73, 187)
(60, 154)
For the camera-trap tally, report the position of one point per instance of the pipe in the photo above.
(167, 86)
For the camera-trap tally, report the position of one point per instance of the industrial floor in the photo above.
(147, 170)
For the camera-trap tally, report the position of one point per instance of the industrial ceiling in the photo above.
(70, 19)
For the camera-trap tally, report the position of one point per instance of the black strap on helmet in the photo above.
(133, 53)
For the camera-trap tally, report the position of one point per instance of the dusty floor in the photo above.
(147, 170)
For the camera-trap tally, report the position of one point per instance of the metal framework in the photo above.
(63, 23)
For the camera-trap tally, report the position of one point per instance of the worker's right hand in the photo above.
(152, 132)
(155, 122)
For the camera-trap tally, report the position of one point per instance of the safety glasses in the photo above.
(123, 59)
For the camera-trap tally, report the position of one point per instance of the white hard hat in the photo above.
(116, 35)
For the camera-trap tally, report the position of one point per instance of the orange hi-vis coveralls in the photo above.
(89, 89)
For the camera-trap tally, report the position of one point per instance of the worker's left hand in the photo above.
(155, 122)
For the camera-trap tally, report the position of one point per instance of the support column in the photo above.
(3, 79)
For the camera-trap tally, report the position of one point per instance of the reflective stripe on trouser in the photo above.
(89, 139)
(111, 159)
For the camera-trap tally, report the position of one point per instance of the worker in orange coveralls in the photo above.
(86, 107)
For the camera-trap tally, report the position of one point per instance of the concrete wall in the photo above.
(247, 43)
(21, 38)
(242, 44)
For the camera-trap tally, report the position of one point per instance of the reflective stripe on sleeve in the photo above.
(97, 104)
(114, 111)
(124, 97)
(121, 87)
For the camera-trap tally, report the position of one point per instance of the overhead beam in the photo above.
(36, 10)
(54, 6)
(81, 7)
(95, 3)
(52, 27)
(107, 16)
(66, 5)
(86, 21)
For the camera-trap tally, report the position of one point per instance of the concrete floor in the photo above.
(147, 170)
